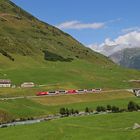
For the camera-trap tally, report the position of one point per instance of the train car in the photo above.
(62, 92)
(89, 90)
(73, 91)
(53, 92)
(81, 91)
(98, 90)
(42, 93)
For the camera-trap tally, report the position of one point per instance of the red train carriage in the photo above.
(42, 93)
(73, 91)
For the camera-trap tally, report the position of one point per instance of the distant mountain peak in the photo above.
(129, 57)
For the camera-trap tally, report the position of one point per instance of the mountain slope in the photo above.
(31, 50)
(21, 33)
(129, 58)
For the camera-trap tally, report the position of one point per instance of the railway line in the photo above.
(35, 96)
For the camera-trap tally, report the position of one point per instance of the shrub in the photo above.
(87, 110)
(100, 109)
(109, 108)
(132, 106)
(115, 109)
(62, 111)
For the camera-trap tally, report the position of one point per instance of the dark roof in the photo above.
(5, 81)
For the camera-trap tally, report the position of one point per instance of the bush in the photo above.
(62, 111)
(100, 109)
(55, 57)
(67, 112)
(87, 110)
(109, 108)
(76, 112)
(132, 106)
(115, 109)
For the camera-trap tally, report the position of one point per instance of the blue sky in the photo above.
(89, 21)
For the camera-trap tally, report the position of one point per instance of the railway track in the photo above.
(34, 96)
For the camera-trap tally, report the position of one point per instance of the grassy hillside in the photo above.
(65, 75)
(31, 50)
(97, 127)
(21, 33)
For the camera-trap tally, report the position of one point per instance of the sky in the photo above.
(105, 26)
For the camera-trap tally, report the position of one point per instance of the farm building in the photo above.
(5, 83)
(27, 85)
(137, 92)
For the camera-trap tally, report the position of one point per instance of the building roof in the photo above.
(28, 83)
(5, 81)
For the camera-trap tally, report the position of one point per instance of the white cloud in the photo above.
(129, 40)
(79, 25)
(132, 29)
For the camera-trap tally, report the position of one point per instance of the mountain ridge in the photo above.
(129, 58)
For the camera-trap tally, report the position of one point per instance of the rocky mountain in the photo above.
(129, 58)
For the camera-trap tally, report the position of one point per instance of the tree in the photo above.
(62, 111)
(109, 107)
(67, 112)
(87, 110)
(76, 112)
(100, 109)
(115, 109)
(71, 111)
(132, 106)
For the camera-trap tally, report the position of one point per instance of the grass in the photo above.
(77, 74)
(26, 38)
(69, 99)
(100, 127)
(36, 107)
(23, 108)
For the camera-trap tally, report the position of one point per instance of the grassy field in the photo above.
(100, 127)
(36, 107)
(77, 74)
(79, 98)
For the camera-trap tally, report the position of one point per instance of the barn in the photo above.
(5, 83)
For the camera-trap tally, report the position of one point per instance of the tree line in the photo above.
(132, 106)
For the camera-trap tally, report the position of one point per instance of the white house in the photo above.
(27, 85)
(5, 83)
(138, 93)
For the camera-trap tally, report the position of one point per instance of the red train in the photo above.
(72, 91)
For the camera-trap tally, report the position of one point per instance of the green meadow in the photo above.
(65, 75)
(95, 127)
(43, 106)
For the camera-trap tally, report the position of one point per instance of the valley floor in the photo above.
(100, 127)
(43, 106)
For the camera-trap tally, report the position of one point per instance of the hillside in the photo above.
(31, 50)
(129, 58)
(23, 34)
